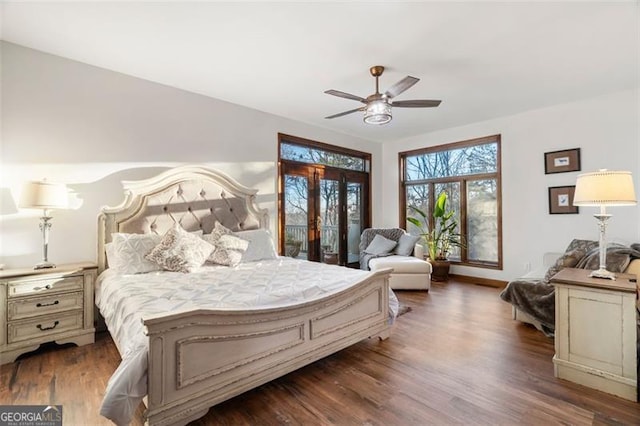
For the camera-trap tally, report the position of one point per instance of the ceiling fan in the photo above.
(377, 108)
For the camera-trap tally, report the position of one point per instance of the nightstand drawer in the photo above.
(45, 285)
(34, 306)
(41, 327)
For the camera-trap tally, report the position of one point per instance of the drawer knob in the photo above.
(55, 324)
(40, 305)
(46, 287)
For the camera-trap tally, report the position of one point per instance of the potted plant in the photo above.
(440, 238)
(292, 246)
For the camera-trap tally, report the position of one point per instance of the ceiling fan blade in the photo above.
(401, 86)
(345, 95)
(416, 103)
(345, 113)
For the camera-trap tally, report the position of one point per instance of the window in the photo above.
(323, 200)
(469, 172)
(312, 155)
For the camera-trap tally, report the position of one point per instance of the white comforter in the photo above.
(124, 300)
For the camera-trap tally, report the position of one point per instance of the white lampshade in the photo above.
(605, 188)
(44, 195)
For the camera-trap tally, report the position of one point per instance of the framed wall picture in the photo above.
(561, 200)
(567, 160)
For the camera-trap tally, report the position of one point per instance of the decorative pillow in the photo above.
(127, 252)
(406, 244)
(218, 231)
(261, 245)
(568, 260)
(380, 245)
(228, 250)
(180, 251)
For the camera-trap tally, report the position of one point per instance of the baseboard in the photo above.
(479, 281)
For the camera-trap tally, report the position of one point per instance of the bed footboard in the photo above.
(200, 358)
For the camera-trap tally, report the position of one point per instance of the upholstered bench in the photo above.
(410, 270)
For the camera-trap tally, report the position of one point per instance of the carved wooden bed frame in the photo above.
(200, 358)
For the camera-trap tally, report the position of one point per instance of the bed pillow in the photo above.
(406, 244)
(380, 245)
(261, 245)
(127, 253)
(180, 251)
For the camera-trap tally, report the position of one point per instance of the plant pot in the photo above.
(292, 248)
(331, 257)
(440, 270)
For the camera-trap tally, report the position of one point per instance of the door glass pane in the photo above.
(329, 216)
(354, 221)
(296, 218)
(453, 203)
(482, 220)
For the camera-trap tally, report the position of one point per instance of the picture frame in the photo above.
(566, 160)
(561, 200)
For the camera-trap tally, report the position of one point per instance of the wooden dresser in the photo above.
(595, 336)
(45, 305)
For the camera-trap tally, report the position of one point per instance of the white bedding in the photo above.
(124, 300)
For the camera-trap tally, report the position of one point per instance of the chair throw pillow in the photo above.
(380, 245)
(180, 251)
(406, 244)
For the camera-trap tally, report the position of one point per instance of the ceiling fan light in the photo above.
(377, 112)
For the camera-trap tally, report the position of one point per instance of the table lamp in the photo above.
(601, 189)
(46, 196)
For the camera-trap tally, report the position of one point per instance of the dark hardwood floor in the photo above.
(456, 358)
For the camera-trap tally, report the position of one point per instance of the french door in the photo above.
(323, 211)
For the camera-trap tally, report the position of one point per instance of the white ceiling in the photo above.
(482, 59)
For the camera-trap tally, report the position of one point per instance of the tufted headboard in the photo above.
(193, 196)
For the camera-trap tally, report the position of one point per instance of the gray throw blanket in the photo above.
(537, 297)
(366, 238)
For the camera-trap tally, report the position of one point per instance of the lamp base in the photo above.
(603, 273)
(44, 265)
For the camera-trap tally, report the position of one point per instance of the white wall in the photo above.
(604, 128)
(91, 128)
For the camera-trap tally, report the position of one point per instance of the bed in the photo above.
(197, 354)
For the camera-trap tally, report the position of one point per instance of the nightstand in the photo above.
(45, 305)
(595, 336)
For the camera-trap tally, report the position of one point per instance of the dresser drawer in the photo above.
(47, 304)
(45, 285)
(38, 327)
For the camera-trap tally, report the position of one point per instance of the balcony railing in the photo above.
(328, 236)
